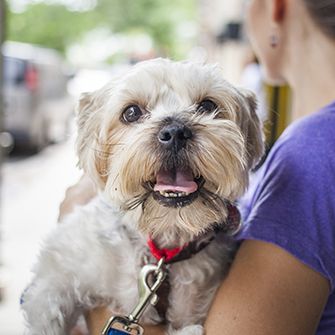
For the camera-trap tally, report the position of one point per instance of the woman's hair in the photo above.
(323, 13)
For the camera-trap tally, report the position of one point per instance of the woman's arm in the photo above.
(268, 291)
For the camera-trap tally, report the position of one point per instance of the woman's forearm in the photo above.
(268, 291)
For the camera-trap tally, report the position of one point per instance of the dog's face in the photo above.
(173, 140)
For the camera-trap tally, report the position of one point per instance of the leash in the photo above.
(120, 325)
(153, 277)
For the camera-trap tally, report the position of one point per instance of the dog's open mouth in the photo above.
(176, 188)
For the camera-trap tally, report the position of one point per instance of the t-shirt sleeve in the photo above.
(294, 205)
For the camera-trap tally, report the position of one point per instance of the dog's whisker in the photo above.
(135, 202)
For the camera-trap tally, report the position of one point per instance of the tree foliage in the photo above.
(56, 26)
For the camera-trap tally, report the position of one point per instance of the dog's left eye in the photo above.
(207, 105)
(132, 113)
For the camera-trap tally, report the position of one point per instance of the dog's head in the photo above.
(172, 139)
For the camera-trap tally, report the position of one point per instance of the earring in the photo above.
(274, 37)
(274, 40)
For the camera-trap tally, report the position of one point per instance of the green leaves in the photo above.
(57, 27)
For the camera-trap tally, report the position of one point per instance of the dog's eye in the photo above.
(132, 113)
(207, 105)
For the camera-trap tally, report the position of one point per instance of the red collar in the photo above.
(167, 254)
(230, 227)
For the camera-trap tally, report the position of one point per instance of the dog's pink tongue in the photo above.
(182, 181)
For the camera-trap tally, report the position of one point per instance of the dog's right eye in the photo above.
(207, 105)
(132, 114)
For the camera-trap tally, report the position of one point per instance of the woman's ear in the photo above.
(278, 10)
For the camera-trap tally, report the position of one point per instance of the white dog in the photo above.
(170, 145)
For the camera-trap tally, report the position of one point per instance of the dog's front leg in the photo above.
(64, 281)
(49, 310)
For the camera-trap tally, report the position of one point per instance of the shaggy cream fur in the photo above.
(211, 139)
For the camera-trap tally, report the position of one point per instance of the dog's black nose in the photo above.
(174, 135)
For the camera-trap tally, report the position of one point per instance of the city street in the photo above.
(32, 189)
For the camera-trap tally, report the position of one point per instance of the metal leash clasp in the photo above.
(150, 279)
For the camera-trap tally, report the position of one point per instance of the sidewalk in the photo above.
(32, 190)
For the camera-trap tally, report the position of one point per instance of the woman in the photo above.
(282, 279)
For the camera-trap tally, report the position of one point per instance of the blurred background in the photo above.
(51, 51)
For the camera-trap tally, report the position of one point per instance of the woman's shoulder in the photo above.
(299, 171)
(307, 143)
(313, 129)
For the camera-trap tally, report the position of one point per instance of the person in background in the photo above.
(282, 279)
(252, 79)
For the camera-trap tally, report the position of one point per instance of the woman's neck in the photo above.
(311, 74)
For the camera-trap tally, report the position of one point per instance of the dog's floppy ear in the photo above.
(83, 108)
(89, 115)
(253, 128)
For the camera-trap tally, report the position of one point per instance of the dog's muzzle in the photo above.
(175, 185)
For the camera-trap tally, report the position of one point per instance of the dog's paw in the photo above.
(189, 330)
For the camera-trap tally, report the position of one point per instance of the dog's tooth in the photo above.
(167, 194)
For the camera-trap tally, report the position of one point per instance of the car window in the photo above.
(14, 71)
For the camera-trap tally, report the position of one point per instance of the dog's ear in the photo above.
(89, 120)
(252, 128)
(83, 109)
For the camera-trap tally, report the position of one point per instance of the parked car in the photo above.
(37, 107)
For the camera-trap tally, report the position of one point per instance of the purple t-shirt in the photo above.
(291, 199)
